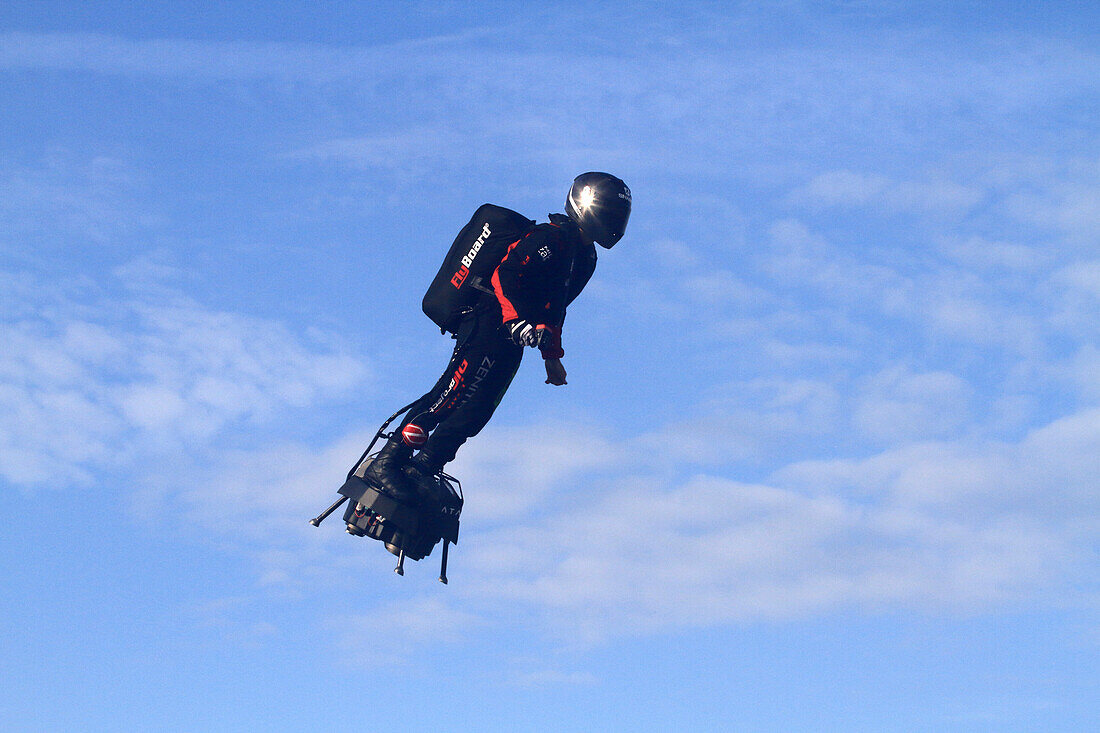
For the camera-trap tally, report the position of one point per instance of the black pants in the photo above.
(465, 397)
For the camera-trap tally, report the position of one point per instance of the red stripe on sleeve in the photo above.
(506, 308)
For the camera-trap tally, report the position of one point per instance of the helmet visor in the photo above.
(611, 224)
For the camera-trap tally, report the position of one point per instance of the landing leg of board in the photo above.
(400, 569)
(443, 564)
(316, 521)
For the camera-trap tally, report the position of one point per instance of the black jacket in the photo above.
(541, 274)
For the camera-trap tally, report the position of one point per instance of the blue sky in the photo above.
(828, 456)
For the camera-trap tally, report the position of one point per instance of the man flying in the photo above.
(505, 285)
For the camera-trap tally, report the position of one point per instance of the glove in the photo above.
(523, 333)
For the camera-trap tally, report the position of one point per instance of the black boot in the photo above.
(421, 473)
(385, 471)
(425, 465)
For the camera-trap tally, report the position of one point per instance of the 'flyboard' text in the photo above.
(468, 259)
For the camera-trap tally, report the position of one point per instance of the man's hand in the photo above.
(523, 333)
(555, 372)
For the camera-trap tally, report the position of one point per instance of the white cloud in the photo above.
(541, 678)
(71, 201)
(838, 102)
(216, 60)
(233, 620)
(744, 420)
(897, 405)
(408, 146)
(850, 189)
(514, 470)
(1049, 474)
(950, 310)
(259, 494)
(93, 378)
(984, 254)
(672, 255)
(714, 551)
(1083, 370)
(788, 354)
(796, 256)
(844, 187)
(719, 288)
(933, 527)
(587, 540)
(1083, 277)
(1069, 204)
(410, 625)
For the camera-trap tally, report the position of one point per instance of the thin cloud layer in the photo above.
(889, 93)
(850, 347)
(100, 376)
(940, 527)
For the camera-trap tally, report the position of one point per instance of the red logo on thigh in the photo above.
(414, 435)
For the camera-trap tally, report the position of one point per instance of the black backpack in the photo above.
(471, 261)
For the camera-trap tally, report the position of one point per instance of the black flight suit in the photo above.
(538, 278)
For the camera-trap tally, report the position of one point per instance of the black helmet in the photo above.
(600, 204)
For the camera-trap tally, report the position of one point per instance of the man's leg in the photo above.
(444, 397)
(385, 470)
(483, 374)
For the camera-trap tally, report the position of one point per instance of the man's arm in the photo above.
(520, 276)
(527, 322)
(509, 275)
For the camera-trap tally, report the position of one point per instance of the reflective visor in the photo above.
(612, 220)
